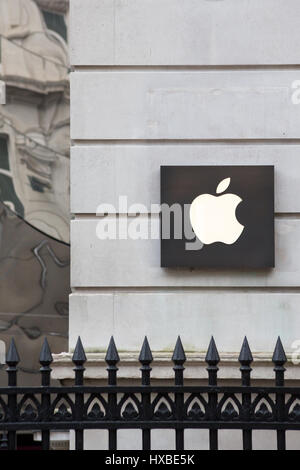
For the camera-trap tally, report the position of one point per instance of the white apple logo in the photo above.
(213, 217)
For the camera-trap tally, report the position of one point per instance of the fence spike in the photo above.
(12, 357)
(178, 354)
(145, 356)
(212, 356)
(145, 359)
(245, 357)
(45, 355)
(279, 357)
(112, 356)
(79, 356)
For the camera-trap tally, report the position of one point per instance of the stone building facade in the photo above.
(180, 82)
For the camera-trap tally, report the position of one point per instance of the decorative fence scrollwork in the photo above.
(146, 407)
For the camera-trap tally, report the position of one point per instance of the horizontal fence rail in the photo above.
(145, 406)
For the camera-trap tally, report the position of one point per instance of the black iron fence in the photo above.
(145, 406)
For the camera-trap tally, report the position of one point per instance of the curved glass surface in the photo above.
(35, 119)
(34, 289)
(34, 180)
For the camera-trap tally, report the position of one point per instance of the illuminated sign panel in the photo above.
(217, 216)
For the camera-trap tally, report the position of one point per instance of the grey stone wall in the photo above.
(181, 82)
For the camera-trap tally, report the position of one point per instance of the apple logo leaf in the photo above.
(223, 185)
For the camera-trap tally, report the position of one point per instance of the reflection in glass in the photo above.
(34, 122)
(34, 288)
(34, 179)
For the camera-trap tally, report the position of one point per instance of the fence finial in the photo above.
(112, 356)
(79, 356)
(145, 356)
(245, 357)
(145, 359)
(279, 357)
(45, 355)
(12, 357)
(212, 356)
(178, 354)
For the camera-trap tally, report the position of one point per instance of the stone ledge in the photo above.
(162, 367)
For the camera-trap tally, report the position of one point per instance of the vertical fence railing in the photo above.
(179, 359)
(212, 359)
(145, 359)
(245, 359)
(279, 359)
(79, 358)
(146, 406)
(12, 360)
(112, 359)
(45, 360)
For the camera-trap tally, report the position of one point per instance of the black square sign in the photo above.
(217, 216)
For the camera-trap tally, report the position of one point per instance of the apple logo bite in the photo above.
(213, 217)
